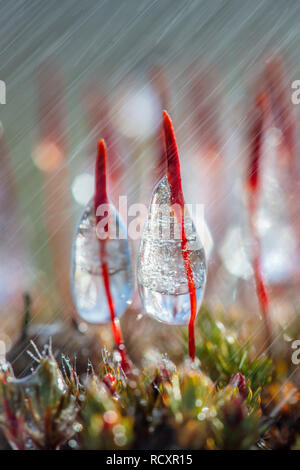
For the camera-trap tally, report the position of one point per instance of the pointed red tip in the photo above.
(101, 161)
(171, 146)
(167, 120)
(255, 142)
(100, 175)
(101, 149)
(168, 129)
(261, 101)
(173, 165)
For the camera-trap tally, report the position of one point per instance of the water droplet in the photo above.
(161, 273)
(82, 327)
(73, 444)
(77, 427)
(110, 416)
(120, 440)
(87, 282)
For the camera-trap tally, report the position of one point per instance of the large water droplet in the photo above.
(86, 273)
(162, 279)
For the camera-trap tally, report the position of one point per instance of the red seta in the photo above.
(102, 198)
(256, 135)
(280, 104)
(177, 201)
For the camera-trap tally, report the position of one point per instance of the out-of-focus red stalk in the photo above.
(284, 119)
(101, 197)
(158, 78)
(281, 107)
(7, 179)
(99, 122)
(257, 118)
(50, 157)
(11, 238)
(205, 102)
(177, 202)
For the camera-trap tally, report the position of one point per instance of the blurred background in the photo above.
(78, 71)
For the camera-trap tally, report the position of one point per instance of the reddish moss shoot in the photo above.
(98, 118)
(281, 106)
(283, 118)
(102, 198)
(177, 202)
(256, 134)
(159, 80)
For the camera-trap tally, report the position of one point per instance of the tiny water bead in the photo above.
(161, 272)
(87, 281)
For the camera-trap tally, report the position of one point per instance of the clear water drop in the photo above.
(87, 282)
(161, 274)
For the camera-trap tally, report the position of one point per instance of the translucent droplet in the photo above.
(86, 273)
(162, 280)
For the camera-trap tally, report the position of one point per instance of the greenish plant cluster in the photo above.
(212, 403)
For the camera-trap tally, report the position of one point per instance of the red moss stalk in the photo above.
(177, 202)
(97, 111)
(281, 107)
(102, 198)
(158, 78)
(254, 186)
(284, 119)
